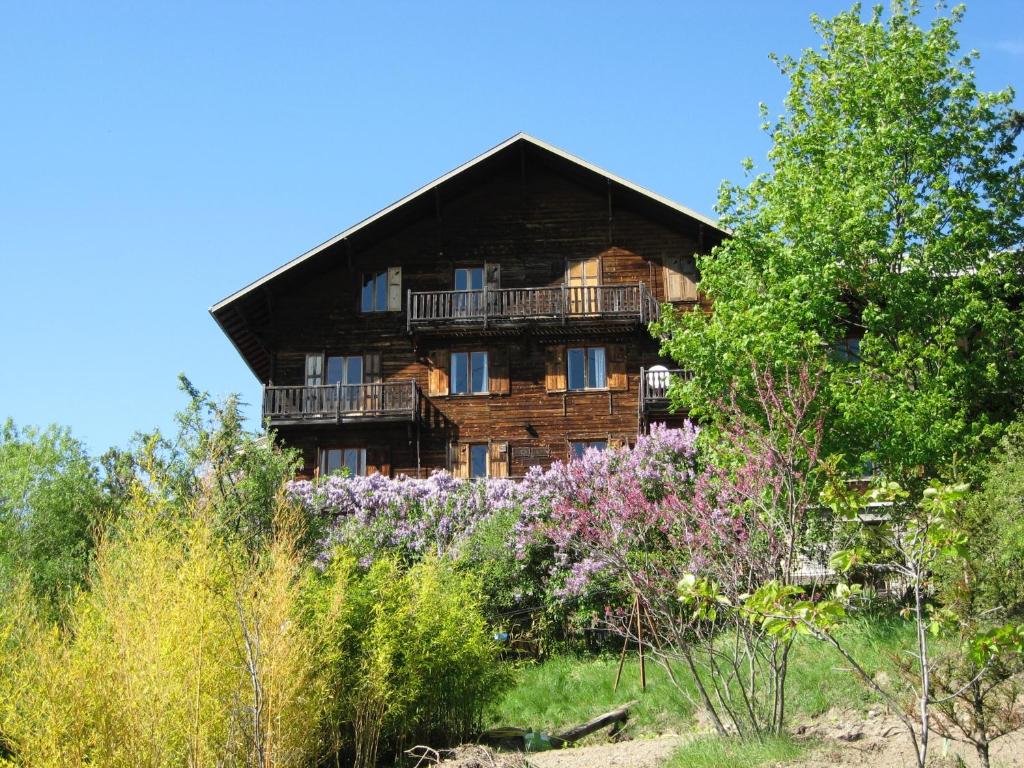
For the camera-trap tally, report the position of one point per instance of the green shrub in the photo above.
(489, 553)
(406, 654)
(993, 519)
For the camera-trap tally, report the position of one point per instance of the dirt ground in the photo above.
(636, 753)
(879, 740)
(842, 739)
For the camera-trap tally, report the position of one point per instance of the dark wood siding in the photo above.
(528, 220)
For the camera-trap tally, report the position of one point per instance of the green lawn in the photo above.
(567, 690)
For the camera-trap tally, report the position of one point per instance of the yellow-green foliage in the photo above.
(406, 655)
(184, 651)
(186, 648)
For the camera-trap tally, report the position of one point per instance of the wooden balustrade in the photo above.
(654, 386)
(510, 306)
(339, 403)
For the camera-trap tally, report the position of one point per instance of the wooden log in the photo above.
(616, 716)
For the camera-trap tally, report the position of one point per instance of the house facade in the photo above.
(493, 320)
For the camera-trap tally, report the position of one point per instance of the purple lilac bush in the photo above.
(437, 515)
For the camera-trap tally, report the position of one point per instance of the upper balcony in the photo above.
(341, 403)
(513, 308)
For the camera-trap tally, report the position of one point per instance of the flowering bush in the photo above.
(439, 515)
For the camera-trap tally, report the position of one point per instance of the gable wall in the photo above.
(529, 225)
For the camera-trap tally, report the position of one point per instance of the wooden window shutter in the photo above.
(497, 460)
(554, 368)
(373, 393)
(438, 383)
(492, 276)
(378, 460)
(460, 459)
(617, 378)
(371, 368)
(680, 276)
(497, 370)
(394, 289)
(689, 278)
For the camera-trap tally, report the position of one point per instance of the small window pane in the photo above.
(461, 279)
(381, 302)
(368, 292)
(354, 370)
(598, 445)
(335, 370)
(596, 377)
(460, 373)
(330, 461)
(578, 449)
(355, 461)
(478, 460)
(576, 368)
(479, 377)
(476, 278)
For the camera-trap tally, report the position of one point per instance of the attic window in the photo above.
(382, 291)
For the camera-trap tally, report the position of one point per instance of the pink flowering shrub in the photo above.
(440, 515)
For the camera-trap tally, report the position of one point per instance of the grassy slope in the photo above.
(567, 690)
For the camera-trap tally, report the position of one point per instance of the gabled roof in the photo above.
(519, 137)
(230, 316)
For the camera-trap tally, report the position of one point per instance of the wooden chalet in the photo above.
(493, 320)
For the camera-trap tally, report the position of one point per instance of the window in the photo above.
(333, 460)
(478, 460)
(469, 373)
(468, 298)
(579, 447)
(586, 368)
(469, 279)
(348, 372)
(847, 350)
(382, 291)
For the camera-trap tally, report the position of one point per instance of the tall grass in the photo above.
(568, 690)
(717, 752)
(184, 651)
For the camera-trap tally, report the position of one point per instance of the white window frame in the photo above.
(586, 369)
(468, 355)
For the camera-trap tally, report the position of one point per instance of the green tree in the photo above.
(211, 459)
(51, 509)
(891, 213)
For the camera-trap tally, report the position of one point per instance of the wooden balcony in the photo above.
(511, 308)
(341, 403)
(654, 386)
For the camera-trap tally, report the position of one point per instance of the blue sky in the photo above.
(156, 157)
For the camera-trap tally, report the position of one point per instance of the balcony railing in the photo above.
(654, 386)
(341, 403)
(506, 307)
